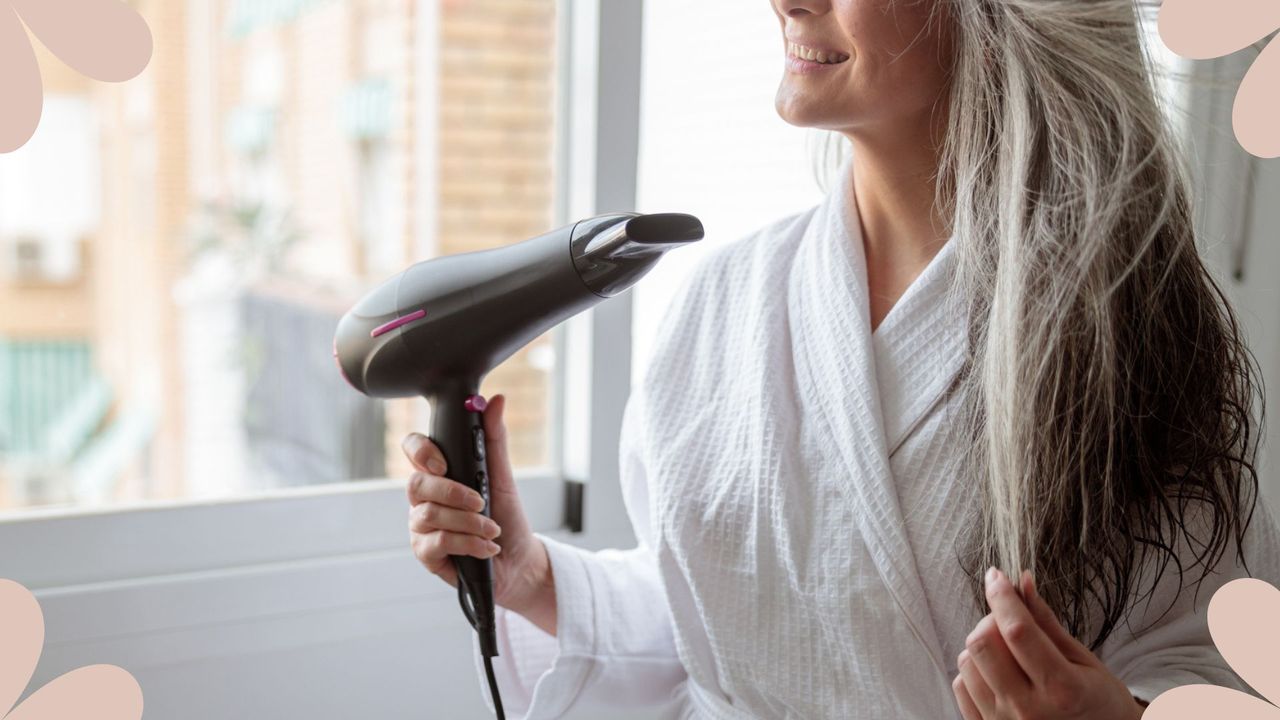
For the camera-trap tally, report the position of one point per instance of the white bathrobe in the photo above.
(790, 477)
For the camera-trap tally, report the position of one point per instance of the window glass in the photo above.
(711, 142)
(175, 250)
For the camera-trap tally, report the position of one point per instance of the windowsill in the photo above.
(78, 546)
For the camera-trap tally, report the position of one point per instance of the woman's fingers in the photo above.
(428, 516)
(424, 454)
(1037, 655)
(1045, 618)
(443, 491)
(976, 687)
(434, 548)
(967, 707)
(988, 651)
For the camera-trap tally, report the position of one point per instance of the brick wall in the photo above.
(496, 131)
(497, 84)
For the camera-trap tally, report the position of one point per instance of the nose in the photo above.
(799, 8)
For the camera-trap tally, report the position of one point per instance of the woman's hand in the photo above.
(1019, 662)
(445, 519)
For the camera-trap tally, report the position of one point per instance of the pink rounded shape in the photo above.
(475, 403)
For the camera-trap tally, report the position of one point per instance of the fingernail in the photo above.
(991, 576)
(497, 529)
(494, 549)
(963, 658)
(476, 500)
(491, 529)
(435, 466)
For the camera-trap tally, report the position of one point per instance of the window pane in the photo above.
(713, 145)
(175, 250)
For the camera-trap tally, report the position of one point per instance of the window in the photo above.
(712, 143)
(175, 251)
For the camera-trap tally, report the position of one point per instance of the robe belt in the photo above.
(712, 706)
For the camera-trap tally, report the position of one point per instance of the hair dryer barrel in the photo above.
(455, 318)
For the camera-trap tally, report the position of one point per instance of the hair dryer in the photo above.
(437, 328)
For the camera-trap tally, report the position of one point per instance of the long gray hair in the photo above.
(1108, 391)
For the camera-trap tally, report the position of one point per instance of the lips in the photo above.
(813, 54)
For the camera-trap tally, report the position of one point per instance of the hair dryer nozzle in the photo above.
(664, 229)
(612, 252)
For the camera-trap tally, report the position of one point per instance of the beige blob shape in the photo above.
(21, 93)
(106, 40)
(22, 634)
(1256, 116)
(101, 692)
(1208, 702)
(1244, 619)
(1200, 29)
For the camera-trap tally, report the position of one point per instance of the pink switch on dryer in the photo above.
(475, 403)
(388, 327)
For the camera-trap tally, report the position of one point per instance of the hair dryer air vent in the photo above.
(612, 252)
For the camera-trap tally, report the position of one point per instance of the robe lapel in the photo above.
(920, 347)
(836, 363)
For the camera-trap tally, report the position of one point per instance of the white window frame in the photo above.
(54, 551)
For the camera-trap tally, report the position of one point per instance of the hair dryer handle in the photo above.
(457, 428)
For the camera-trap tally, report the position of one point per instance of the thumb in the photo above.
(1073, 649)
(497, 454)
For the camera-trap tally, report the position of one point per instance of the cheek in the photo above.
(868, 90)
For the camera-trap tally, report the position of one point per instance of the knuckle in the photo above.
(1017, 631)
(1000, 591)
(457, 494)
(415, 484)
(419, 545)
(437, 544)
(431, 512)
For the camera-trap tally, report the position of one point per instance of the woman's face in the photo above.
(854, 65)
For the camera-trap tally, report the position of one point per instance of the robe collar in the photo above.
(869, 391)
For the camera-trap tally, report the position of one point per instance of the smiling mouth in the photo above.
(824, 57)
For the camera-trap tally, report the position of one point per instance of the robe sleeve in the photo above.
(615, 643)
(1167, 642)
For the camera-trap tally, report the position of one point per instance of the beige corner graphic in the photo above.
(106, 40)
(1203, 29)
(103, 692)
(1244, 619)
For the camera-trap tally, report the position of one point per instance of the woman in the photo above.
(992, 345)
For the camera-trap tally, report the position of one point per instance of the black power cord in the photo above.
(488, 645)
(493, 688)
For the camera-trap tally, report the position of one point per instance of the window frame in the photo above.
(596, 148)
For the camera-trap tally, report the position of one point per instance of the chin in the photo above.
(812, 116)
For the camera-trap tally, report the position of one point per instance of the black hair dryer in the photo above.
(437, 328)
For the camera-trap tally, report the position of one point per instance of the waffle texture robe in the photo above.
(790, 478)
